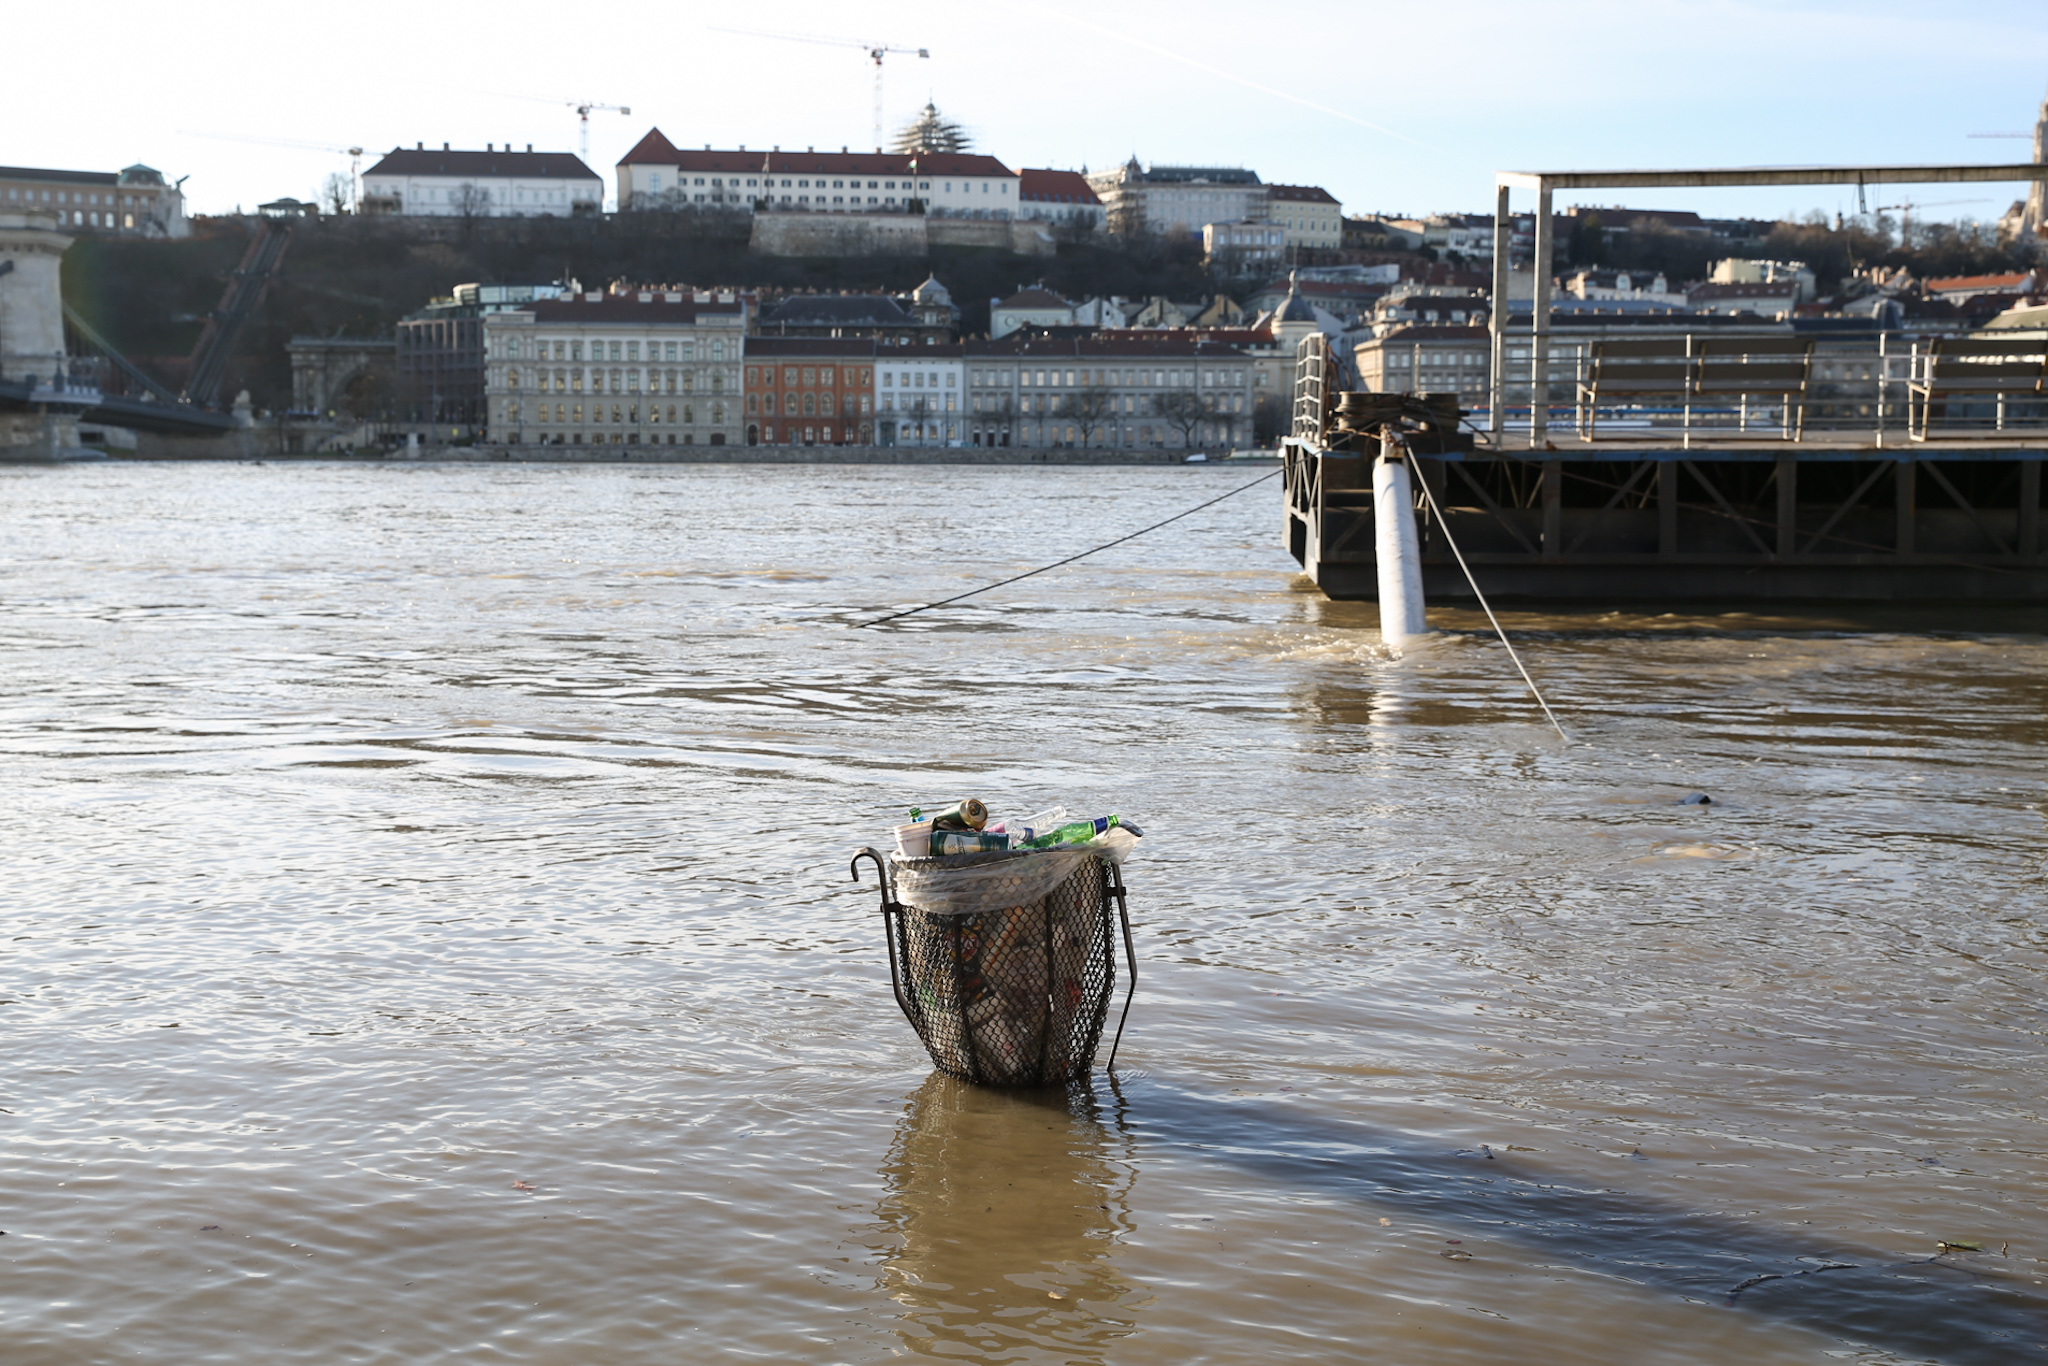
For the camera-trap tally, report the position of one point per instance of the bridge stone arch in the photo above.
(324, 367)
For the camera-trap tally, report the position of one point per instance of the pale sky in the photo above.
(1393, 107)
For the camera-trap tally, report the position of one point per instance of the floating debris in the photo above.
(1959, 1245)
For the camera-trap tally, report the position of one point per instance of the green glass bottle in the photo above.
(1073, 832)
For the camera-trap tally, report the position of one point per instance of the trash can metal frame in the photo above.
(961, 989)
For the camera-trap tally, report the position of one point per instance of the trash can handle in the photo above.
(1113, 878)
(892, 919)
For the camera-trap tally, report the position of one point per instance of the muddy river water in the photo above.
(426, 936)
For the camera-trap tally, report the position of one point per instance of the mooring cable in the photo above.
(1444, 525)
(1071, 558)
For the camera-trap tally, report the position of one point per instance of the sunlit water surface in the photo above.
(384, 842)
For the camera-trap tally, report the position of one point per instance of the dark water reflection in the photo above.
(1005, 1207)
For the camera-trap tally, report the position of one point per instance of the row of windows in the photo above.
(93, 218)
(17, 194)
(918, 403)
(808, 405)
(1159, 379)
(628, 414)
(1059, 403)
(754, 182)
(563, 348)
(1053, 433)
(1397, 360)
(808, 436)
(805, 183)
(622, 381)
(808, 375)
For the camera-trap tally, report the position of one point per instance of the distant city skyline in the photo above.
(1391, 109)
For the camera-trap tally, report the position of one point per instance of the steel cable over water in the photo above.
(1071, 558)
(1487, 607)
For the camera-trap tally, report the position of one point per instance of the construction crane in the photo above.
(1906, 207)
(875, 51)
(583, 108)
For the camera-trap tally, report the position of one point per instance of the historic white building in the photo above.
(486, 184)
(658, 175)
(1311, 215)
(619, 368)
(921, 396)
(137, 201)
(1178, 200)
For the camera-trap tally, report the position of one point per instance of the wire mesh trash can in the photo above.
(1004, 963)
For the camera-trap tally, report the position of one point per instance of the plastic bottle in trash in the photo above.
(1073, 832)
(1041, 824)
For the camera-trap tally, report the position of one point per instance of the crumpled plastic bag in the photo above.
(970, 884)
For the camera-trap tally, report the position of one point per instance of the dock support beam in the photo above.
(2030, 509)
(1539, 334)
(1667, 508)
(1553, 509)
(1497, 317)
(1903, 480)
(1397, 550)
(1788, 506)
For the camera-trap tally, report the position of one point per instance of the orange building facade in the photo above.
(810, 391)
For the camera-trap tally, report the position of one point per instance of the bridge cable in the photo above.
(1071, 558)
(1443, 525)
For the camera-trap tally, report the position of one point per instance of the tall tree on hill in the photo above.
(930, 133)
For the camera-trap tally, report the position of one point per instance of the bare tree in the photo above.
(1090, 409)
(1182, 409)
(337, 194)
(472, 200)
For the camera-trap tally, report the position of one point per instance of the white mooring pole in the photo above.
(1398, 553)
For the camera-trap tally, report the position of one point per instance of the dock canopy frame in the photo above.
(1546, 182)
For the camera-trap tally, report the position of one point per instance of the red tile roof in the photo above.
(1056, 187)
(2014, 283)
(654, 147)
(656, 150)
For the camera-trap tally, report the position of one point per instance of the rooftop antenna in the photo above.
(875, 51)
